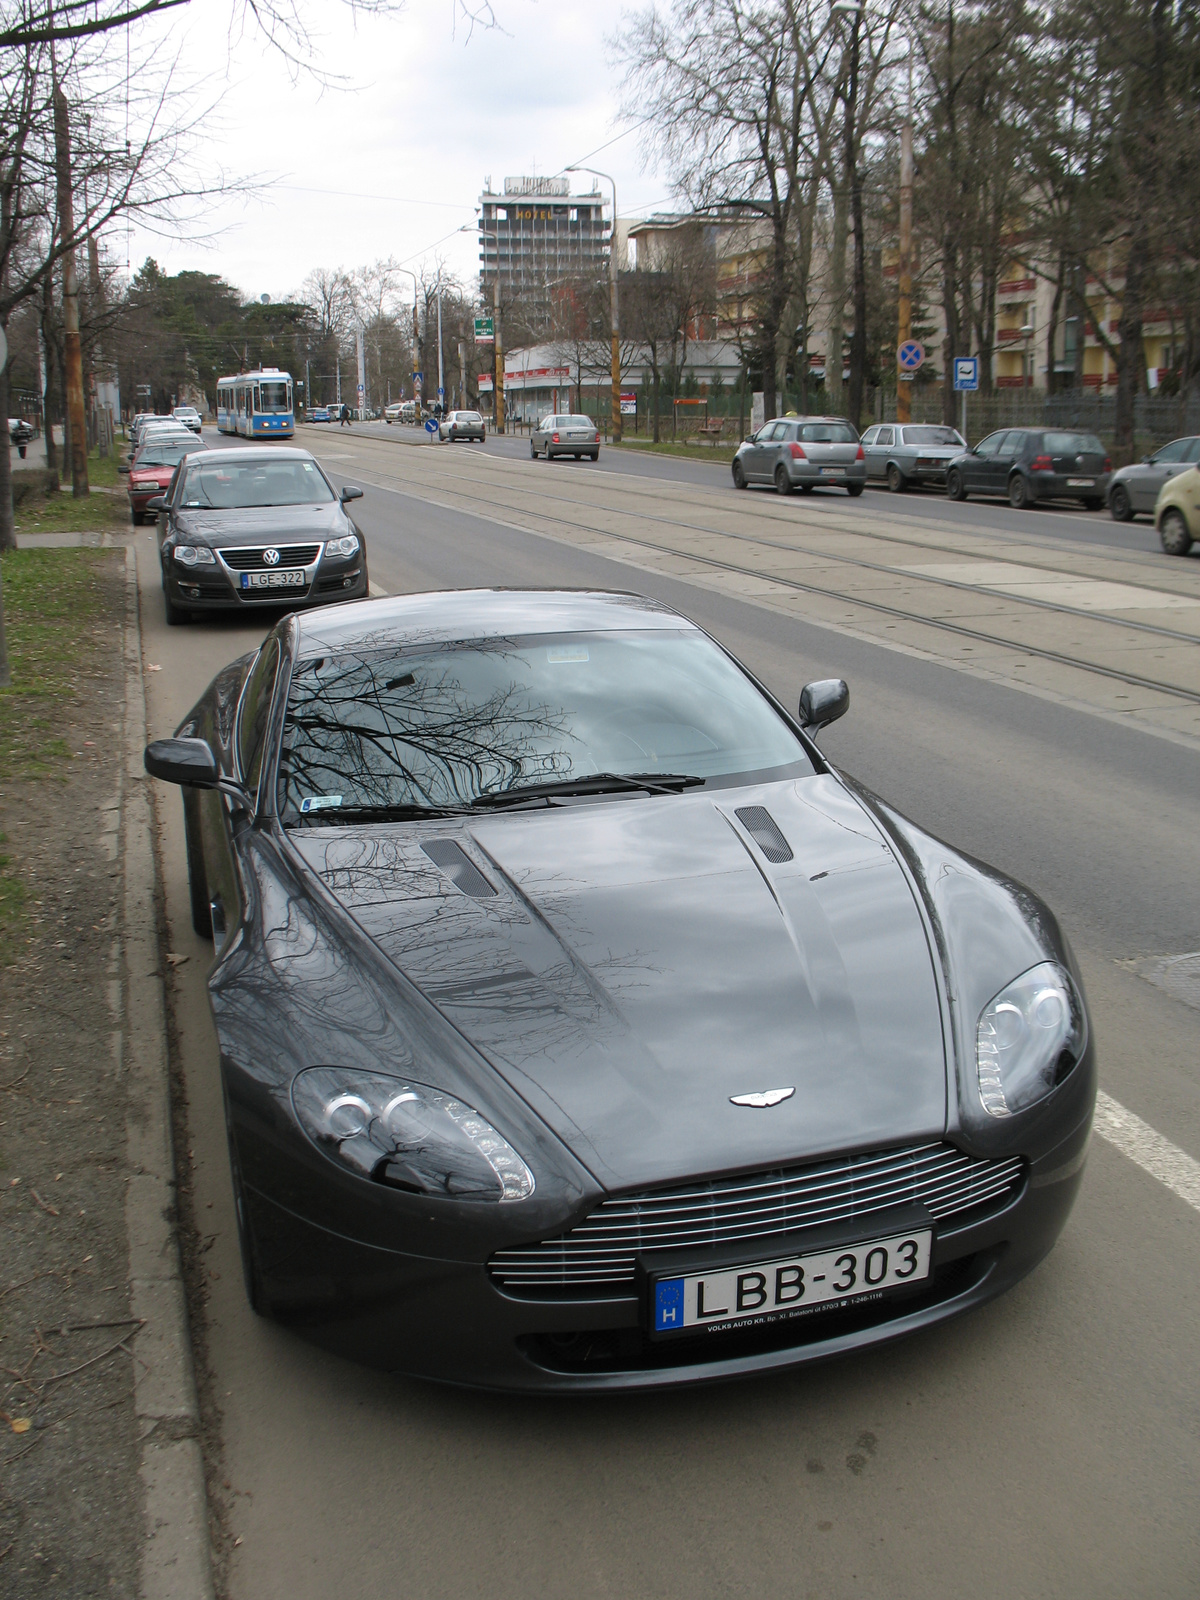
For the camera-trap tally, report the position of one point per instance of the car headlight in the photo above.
(1029, 1037)
(194, 555)
(408, 1135)
(345, 546)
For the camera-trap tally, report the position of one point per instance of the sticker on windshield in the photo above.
(556, 653)
(318, 802)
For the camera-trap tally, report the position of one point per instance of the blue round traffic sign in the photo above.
(431, 425)
(911, 354)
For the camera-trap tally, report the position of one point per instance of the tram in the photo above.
(257, 404)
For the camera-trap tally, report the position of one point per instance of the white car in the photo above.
(189, 416)
(457, 425)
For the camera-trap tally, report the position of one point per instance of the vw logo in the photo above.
(270, 558)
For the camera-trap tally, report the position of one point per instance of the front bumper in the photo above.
(447, 1320)
(209, 589)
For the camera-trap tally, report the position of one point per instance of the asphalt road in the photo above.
(1048, 1445)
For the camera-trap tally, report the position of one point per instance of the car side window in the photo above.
(870, 436)
(990, 446)
(256, 706)
(1177, 450)
(1011, 444)
(886, 436)
(1194, 451)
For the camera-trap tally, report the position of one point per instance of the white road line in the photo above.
(1154, 1154)
(375, 590)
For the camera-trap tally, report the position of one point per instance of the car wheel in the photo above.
(806, 488)
(136, 518)
(739, 477)
(783, 483)
(1019, 497)
(197, 877)
(595, 456)
(532, 450)
(247, 1247)
(896, 481)
(1094, 502)
(1174, 533)
(1119, 504)
(855, 489)
(955, 489)
(175, 617)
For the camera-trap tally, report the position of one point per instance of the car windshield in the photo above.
(931, 436)
(217, 483)
(1072, 444)
(826, 433)
(574, 422)
(468, 416)
(166, 453)
(420, 727)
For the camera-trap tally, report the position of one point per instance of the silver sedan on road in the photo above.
(800, 453)
(904, 453)
(1135, 488)
(563, 435)
(461, 425)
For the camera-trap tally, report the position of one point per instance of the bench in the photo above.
(712, 429)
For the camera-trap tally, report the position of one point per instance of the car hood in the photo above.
(261, 523)
(641, 962)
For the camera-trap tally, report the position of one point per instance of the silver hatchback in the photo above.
(565, 436)
(913, 452)
(1135, 488)
(800, 453)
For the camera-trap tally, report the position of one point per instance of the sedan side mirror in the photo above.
(823, 702)
(349, 492)
(188, 761)
(159, 503)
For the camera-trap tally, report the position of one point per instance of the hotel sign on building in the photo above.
(535, 232)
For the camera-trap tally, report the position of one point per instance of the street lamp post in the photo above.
(497, 350)
(1027, 333)
(616, 319)
(904, 286)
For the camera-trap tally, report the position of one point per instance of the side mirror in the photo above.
(123, 466)
(351, 493)
(188, 761)
(159, 503)
(823, 702)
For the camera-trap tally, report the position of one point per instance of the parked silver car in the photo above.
(801, 452)
(565, 436)
(462, 425)
(1136, 487)
(911, 452)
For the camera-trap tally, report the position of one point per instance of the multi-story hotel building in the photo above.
(537, 233)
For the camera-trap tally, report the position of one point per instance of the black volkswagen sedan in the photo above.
(1030, 465)
(256, 526)
(582, 1027)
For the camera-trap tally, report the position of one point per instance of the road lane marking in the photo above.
(1144, 1145)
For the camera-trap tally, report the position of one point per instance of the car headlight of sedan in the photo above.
(408, 1136)
(194, 555)
(1029, 1037)
(347, 545)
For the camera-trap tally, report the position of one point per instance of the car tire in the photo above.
(739, 476)
(855, 489)
(805, 488)
(954, 486)
(197, 876)
(595, 456)
(1019, 497)
(175, 618)
(1174, 533)
(896, 481)
(1093, 502)
(532, 450)
(1119, 504)
(247, 1247)
(783, 483)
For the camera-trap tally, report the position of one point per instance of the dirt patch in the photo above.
(70, 1506)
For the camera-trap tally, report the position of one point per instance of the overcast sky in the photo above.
(395, 162)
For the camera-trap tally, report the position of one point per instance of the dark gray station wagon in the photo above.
(800, 453)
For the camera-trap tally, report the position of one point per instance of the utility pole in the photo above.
(441, 364)
(361, 354)
(903, 387)
(499, 390)
(71, 346)
(462, 375)
(615, 307)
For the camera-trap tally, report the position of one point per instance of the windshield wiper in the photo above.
(384, 813)
(592, 783)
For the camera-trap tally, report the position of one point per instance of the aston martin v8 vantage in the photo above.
(583, 1027)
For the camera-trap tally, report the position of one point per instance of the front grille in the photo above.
(598, 1254)
(250, 559)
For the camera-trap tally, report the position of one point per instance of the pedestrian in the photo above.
(344, 416)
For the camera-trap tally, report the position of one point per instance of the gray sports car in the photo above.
(582, 1027)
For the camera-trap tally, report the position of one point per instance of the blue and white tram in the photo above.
(257, 404)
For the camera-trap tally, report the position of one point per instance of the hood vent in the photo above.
(760, 825)
(459, 868)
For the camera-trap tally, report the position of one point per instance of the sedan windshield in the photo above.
(574, 422)
(932, 436)
(217, 483)
(167, 453)
(398, 730)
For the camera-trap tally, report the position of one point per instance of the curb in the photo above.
(175, 1560)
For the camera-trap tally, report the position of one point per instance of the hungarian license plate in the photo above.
(290, 579)
(767, 1290)
(1081, 483)
(831, 472)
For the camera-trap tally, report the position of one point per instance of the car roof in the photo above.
(443, 616)
(263, 452)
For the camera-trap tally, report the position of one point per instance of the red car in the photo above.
(152, 468)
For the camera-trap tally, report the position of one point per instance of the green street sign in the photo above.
(485, 330)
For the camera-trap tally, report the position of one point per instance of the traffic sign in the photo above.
(629, 403)
(431, 425)
(418, 377)
(362, 388)
(910, 355)
(966, 373)
(485, 330)
(441, 392)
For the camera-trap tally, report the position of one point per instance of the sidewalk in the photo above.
(101, 1482)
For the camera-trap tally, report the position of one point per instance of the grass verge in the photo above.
(691, 452)
(62, 513)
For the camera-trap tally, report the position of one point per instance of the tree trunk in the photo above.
(8, 538)
(858, 338)
(950, 313)
(654, 370)
(48, 356)
(1129, 353)
(837, 302)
